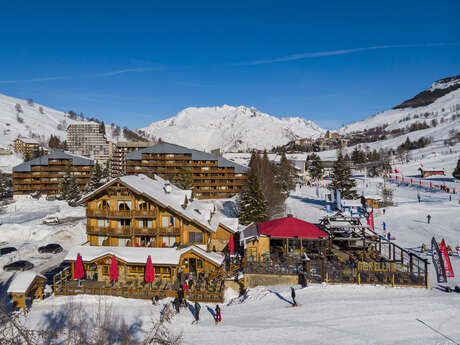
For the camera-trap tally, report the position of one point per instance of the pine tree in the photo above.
(316, 166)
(285, 176)
(96, 179)
(5, 185)
(183, 179)
(341, 179)
(456, 172)
(106, 173)
(74, 192)
(65, 183)
(251, 204)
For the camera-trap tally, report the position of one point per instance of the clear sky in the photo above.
(135, 62)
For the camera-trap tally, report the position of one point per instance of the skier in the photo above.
(218, 315)
(428, 218)
(389, 236)
(384, 226)
(176, 304)
(197, 311)
(423, 248)
(293, 297)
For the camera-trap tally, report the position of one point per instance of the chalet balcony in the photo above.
(114, 231)
(121, 213)
(169, 231)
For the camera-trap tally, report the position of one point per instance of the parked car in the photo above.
(51, 220)
(20, 265)
(53, 248)
(7, 250)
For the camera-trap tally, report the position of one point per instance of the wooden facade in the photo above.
(44, 174)
(32, 291)
(212, 176)
(26, 146)
(119, 215)
(118, 160)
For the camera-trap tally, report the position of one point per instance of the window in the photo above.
(124, 223)
(124, 205)
(145, 223)
(168, 241)
(200, 263)
(105, 270)
(168, 222)
(103, 205)
(103, 222)
(136, 269)
(195, 237)
(144, 205)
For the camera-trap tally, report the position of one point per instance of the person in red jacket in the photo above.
(218, 314)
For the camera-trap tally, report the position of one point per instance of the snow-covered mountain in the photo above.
(230, 129)
(35, 121)
(440, 102)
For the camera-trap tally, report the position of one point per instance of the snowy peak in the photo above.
(437, 90)
(230, 128)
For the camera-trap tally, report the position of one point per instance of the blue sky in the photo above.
(136, 62)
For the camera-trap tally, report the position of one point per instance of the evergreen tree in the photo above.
(341, 179)
(106, 173)
(456, 172)
(285, 176)
(252, 206)
(102, 128)
(316, 166)
(5, 185)
(96, 179)
(74, 192)
(65, 183)
(183, 179)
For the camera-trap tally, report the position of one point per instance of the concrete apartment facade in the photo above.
(85, 139)
(118, 161)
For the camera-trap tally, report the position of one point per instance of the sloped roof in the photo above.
(197, 211)
(22, 281)
(28, 140)
(139, 255)
(290, 227)
(196, 155)
(43, 160)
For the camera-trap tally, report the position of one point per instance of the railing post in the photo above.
(426, 274)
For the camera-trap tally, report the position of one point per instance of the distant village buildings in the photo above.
(28, 147)
(211, 176)
(43, 175)
(118, 162)
(86, 139)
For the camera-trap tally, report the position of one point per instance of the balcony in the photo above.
(113, 231)
(169, 231)
(121, 213)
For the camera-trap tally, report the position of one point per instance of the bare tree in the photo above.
(18, 108)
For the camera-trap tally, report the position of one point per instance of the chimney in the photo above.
(167, 188)
(289, 215)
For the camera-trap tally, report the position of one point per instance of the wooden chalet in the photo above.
(138, 211)
(25, 287)
(281, 238)
(167, 262)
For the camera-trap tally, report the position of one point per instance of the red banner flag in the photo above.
(370, 220)
(446, 259)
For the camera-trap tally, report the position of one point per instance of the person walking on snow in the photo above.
(293, 296)
(389, 236)
(428, 218)
(218, 314)
(197, 311)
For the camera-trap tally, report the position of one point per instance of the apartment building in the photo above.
(43, 175)
(118, 161)
(212, 176)
(26, 146)
(86, 139)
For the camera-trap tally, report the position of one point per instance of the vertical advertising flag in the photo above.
(438, 262)
(339, 200)
(370, 220)
(446, 260)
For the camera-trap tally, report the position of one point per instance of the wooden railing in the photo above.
(121, 213)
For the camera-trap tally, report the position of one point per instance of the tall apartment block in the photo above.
(44, 174)
(118, 162)
(212, 176)
(85, 139)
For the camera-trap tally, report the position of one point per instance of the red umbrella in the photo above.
(149, 275)
(78, 272)
(114, 269)
(231, 245)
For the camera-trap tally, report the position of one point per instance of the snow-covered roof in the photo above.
(351, 203)
(139, 255)
(43, 160)
(196, 155)
(22, 281)
(199, 211)
(29, 140)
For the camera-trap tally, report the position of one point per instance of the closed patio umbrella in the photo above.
(149, 275)
(78, 272)
(114, 269)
